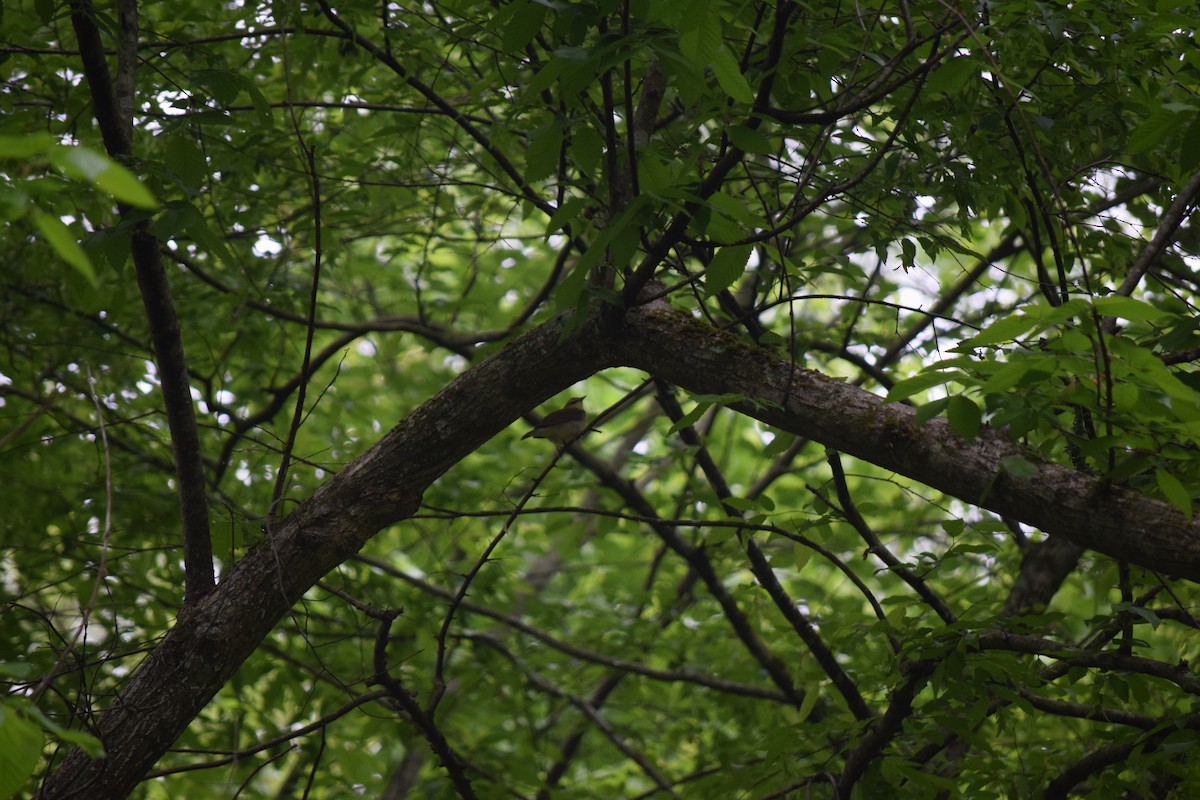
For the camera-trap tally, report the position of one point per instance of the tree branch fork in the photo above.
(214, 636)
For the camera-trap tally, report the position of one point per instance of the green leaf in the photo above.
(750, 140)
(587, 149)
(964, 416)
(266, 114)
(1019, 468)
(567, 293)
(730, 77)
(1174, 491)
(13, 204)
(1179, 742)
(20, 747)
(928, 411)
(1116, 305)
(566, 213)
(64, 244)
(1008, 375)
(779, 444)
(542, 155)
(83, 163)
(725, 268)
(702, 36)
(522, 25)
(1189, 147)
(801, 555)
(85, 741)
(1156, 128)
(952, 75)
(690, 418)
(738, 503)
(186, 160)
(902, 390)
(736, 211)
(1006, 329)
(26, 146)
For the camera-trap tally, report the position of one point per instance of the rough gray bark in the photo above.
(212, 638)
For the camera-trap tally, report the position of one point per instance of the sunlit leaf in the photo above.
(64, 243)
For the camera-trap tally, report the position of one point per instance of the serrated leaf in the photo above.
(750, 140)
(20, 748)
(690, 418)
(64, 244)
(902, 390)
(964, 416)
(1174, 491)
(1136, 610)
(952, 75)
(654, 175)
(182, 215)
(541, 157)
(931, 409)
(565, 214)
(85, 741)
(1116, 305)
(523, 24)
(587, 149)
(801, 555)
(187, 161)
(567, 292)
(1153, 130)
(701, 38)
(730, 77)
(1019, 467)
(735, 210)
(1006, 330)
(726, 267)
(546, 76)
(1008, 376)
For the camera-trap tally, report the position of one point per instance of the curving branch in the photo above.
(212, 637)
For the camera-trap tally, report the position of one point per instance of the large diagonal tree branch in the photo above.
(213, 637)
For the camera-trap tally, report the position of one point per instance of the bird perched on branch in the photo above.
(563, 425)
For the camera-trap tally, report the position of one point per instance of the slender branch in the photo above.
(690, 676)
(877, 548)
(306, 364)
(199, 575)
(407, 703)
(884, 729)
(765, 574)
(1168, 226)
(588, 710)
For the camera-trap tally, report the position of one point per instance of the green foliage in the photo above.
(940, 204)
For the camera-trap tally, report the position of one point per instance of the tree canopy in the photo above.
(884, 314)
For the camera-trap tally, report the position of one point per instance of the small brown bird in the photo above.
(563, 425)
